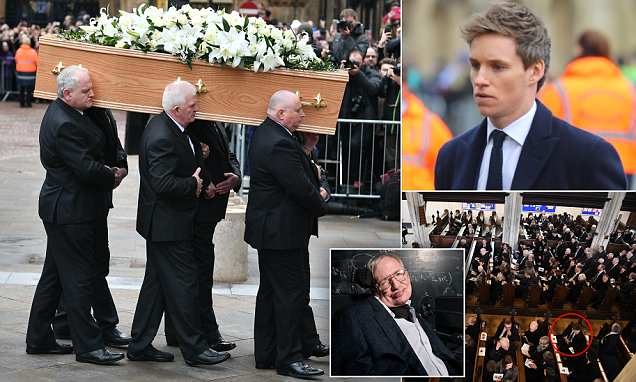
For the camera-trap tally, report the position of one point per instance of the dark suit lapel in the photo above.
(470, 162)
(389, 327)
(536, 150)
(195, 158)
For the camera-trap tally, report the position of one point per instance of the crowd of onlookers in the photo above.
(512, 349)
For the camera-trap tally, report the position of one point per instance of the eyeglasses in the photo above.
(400, 276)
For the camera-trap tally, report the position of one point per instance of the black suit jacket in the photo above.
(368, 341)
(167, 192)
(114, 153)
(220, 161)
(77, 184)
(555, 156)
(284, 200)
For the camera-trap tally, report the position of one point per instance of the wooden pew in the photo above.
(508, 295)
(609, 299)
(478, 371)
(624, 353)
(601, 370)
(534, 296)
(587, 294)
(484, 293)
(520, 365)
(560, 294)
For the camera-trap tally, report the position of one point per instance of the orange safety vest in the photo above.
(26, 59)
(593, 94)
(423, 134)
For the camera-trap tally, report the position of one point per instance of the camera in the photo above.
(388, 28)
(351, 64)
(397, 70)
(344, 24)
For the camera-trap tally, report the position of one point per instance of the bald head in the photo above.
(285, 108)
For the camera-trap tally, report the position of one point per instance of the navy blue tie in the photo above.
(496, 160)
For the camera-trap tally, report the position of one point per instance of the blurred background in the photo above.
(437, 70)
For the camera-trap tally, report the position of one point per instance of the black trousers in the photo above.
(69, 271)
(104, 309)
(284, 327)
(170, 284)
(204, 257)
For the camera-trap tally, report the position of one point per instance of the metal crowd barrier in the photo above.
(6, 89)
(355, 158)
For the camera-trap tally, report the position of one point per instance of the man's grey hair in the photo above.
(616, 327)
(24, 39)
(373, 263)
(68, 79)
(279, 100)
(175, 94)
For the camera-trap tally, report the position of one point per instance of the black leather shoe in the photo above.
(99, 357)
(208, 357)
(320, 350)
(151, 354)
(222, 345)
(300, 370)
(53, 349)
(113, 337)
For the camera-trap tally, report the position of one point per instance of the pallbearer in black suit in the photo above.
(73, 205)
(383, 335)
(169, 167)
(104, 310)
(284, 203)
(224, 173)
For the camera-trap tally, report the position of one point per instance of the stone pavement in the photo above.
(22, 245)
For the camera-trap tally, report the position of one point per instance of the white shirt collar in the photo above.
(177, 123)
(387, 308)
(518, 130)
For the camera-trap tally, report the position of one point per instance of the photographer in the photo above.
(390, 71)
(350, 35)
(361, 94)
(360, 101)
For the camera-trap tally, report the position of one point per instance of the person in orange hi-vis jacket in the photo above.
(423, 133)
(594, 95)
(26, 65)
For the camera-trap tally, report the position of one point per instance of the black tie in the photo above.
(402, 311)
(496, 160)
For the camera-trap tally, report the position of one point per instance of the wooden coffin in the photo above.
(132, 80)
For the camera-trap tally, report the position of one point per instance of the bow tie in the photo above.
(402, 311)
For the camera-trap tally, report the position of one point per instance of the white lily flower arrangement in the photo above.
(215, 36)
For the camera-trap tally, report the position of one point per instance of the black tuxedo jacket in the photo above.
(77, 184)
(368, 341)
(220, 161)
(284, 201)
(555, 156)
(167, 192)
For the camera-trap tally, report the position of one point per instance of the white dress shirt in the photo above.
(516, 134)
(182, 130)
(421, 345)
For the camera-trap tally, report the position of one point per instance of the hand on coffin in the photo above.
(225, 186)
(199, 181)
(205, 150)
